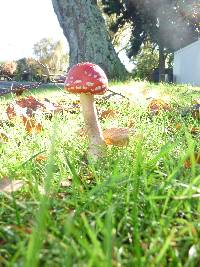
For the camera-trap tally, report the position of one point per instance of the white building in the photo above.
(187, 64)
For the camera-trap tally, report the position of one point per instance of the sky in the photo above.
(24, 23)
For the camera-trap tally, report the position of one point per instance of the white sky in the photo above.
(25, 22)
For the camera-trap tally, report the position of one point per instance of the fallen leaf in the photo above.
(194, 130)
(178, 126)
(22, 229)
(81, 132)
(130, 123)
(107, 114)
(10, 111)
(157, 105)
(30, 102)
(196, 111)
(188, 162)
(8, 186)
(3, 137)
(31, 126)
(40, 158)
(30, 106)
(116, 136)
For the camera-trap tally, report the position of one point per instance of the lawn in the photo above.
(137, 206)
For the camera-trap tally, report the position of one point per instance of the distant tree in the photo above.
(51, 56)
(8, 68)
(170, 24)
(28, 69)
(146, 61)
(85, 30)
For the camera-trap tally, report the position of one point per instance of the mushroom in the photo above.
(88, 79)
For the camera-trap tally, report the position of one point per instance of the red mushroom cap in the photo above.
(86, 78)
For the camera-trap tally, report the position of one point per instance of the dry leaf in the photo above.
(188, 163)
(29, 106)
(10, 111)
(157, 105)
(116, 136)
(31, 126)
(196, 110)
(3, 137)
(130, 123)
(8, 186)
(81, 132)
(30, 102)
(40, 158)
(106, 114)
(194, 130)
(178, 126)
(51, 107)
(22, 229)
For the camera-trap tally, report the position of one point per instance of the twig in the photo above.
(114, 93)
(186, 197)
(188, 186)
(183, 197)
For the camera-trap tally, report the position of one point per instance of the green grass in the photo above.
(139, 206)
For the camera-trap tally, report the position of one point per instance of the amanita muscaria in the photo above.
(88, 79)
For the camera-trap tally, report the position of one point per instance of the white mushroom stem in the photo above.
(92, 125)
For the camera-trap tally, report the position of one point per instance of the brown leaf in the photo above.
(81, 132)
(51, 107)
(157, 105)
(178, 126)
(194, 130)
(188, 162)
(31, 126)
(130, 123)
(40, 158)
(107, 114)
(22, 229)
(116, 136)
(10, 111)
(30, 102)
(8, 186)
(3, 137)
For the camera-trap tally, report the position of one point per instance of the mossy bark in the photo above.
(85, 30)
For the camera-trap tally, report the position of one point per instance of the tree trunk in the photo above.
(161, 64)
(85, 30)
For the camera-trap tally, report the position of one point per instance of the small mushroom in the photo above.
(88, 79)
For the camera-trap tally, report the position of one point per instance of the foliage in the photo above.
(51, 54)
(120, 38)
(28, 69)
(157, 20)
(146, 61)
(8, 68)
